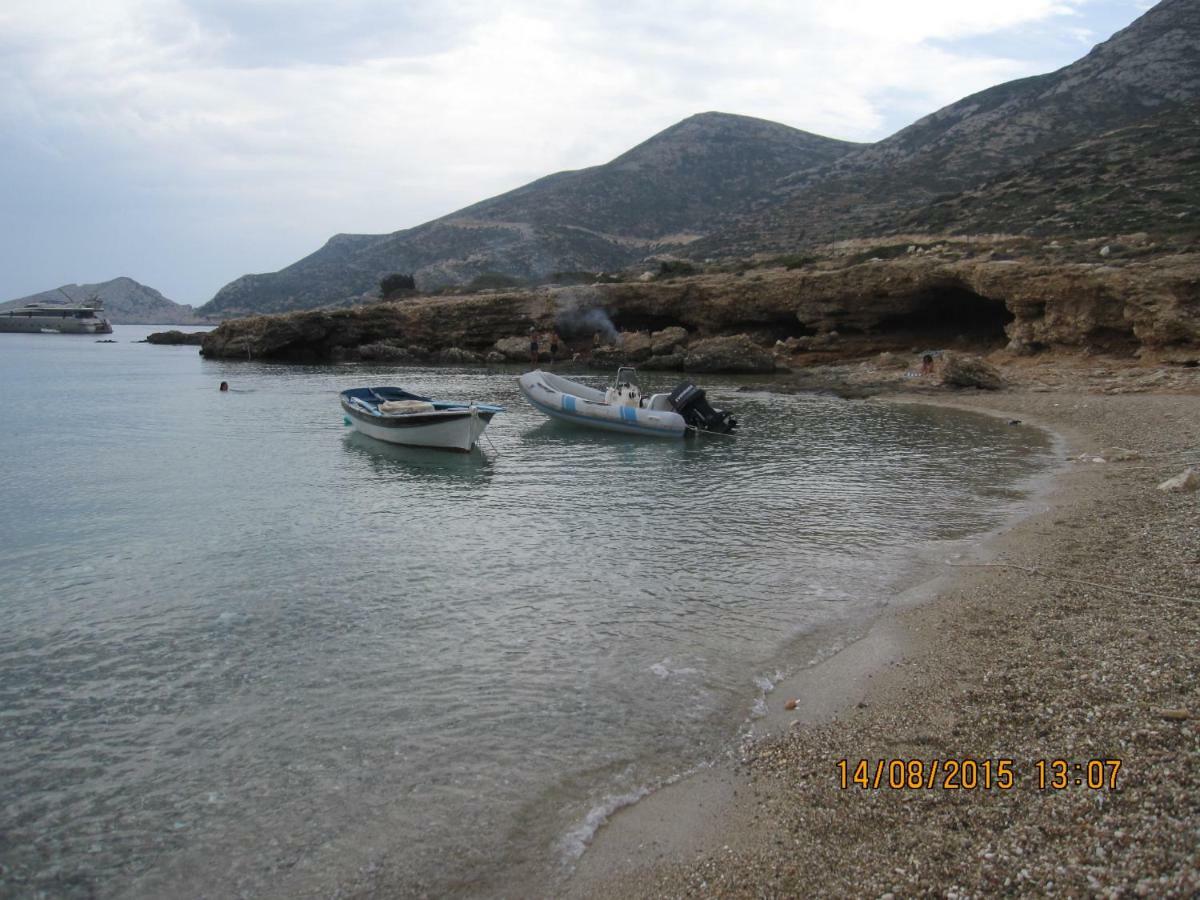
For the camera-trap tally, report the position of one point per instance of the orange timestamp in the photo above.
(973, 774)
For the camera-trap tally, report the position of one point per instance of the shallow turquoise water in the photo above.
(249, 652)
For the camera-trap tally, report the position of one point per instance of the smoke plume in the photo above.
(580, 314)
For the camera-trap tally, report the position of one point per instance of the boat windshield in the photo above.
(627, 375)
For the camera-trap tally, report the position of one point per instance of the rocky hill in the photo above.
(1150, 69)
(1141, 178)
(662, 193)
(126, 302)
(1103, 146)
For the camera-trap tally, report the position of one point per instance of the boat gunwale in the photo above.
(622, 427)
(411, 420)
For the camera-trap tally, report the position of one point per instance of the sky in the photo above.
(184, 143)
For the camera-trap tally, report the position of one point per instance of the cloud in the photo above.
(285, 121)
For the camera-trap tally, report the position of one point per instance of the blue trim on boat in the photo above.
(568, 403)
(368, 398)
(593, 422)
(628, 414)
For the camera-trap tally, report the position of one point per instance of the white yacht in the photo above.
(35, 318)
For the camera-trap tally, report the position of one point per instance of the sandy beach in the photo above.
(1069, 635)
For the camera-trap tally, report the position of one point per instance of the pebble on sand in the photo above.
(1185, 482)
(1175, 715)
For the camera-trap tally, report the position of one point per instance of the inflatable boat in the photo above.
(622, 407)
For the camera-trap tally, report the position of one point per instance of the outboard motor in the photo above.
(689, 401)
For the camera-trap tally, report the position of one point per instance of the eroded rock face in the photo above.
(959, 370)
(175, 337)
(666, 362)
(668, 340)
(1152, 305)
(733, 353)
(513, 349)
(457, 356)
(386, 352)
(608, 357)
(889, 360)
(635, 346)
(632, 348)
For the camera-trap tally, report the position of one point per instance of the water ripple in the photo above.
(228, 618)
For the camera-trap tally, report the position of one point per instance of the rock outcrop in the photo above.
(1185, 482)
(1150, 305)
(391, 353)
(473, 322)
(668, 341)
(731, 353)
(959, 370)
(195, 338)
(457, 356)
(513, 349)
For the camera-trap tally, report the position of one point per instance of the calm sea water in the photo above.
(249, 653)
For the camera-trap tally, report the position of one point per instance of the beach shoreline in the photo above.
(961, 667)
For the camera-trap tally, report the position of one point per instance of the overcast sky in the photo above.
(186, 142)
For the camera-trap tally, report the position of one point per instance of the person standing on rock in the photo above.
(553, 346)
(533, 346)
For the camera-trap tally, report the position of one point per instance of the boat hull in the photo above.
(448, 430)
(48, 325)
(579, 410)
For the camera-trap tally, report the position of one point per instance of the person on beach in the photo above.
(533, 346)
(553, 346)
(927, 364)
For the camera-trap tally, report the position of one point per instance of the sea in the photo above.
(248, 652)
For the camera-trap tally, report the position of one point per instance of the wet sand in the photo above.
(1073, 634)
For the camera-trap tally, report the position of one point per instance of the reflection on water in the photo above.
(247, 652)
(418, 463)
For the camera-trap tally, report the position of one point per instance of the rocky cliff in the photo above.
(126, 302)
(937, 299)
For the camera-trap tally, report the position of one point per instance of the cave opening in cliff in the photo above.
(774, 328)
(642, 321)
(765, 329)
(951, 314)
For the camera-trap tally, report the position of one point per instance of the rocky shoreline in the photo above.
(1074, 637)
(824, 311)
(175, 337)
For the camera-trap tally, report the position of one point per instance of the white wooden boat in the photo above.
(396, 416)
(622, 407)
